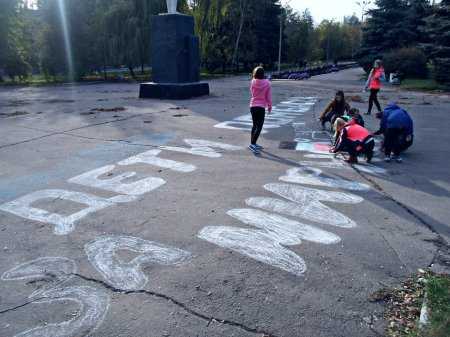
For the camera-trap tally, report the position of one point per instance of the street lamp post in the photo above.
(286, 3)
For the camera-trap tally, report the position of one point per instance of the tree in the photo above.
(393, 24)
(299, 36)
(13, 48)
(438, 49)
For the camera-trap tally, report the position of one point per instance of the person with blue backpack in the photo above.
(397, 127)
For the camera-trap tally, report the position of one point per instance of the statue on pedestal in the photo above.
(172, 6)
(175, 57)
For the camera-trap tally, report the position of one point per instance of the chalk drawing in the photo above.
(282, 114)
(204, 148)
(54, 270)
(319, 156)
(64, 224)
(312, 176)
(151, 158)
(129, 275)
(255, 244)
(307, 204)
(334, 163)
(93, 306)
(285, 231)
(266, 244)
(313, 147)
(115, 184)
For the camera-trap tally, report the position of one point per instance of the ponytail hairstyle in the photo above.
(258, 73)
(378, 63)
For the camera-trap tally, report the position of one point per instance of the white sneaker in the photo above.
(399, 160)
(259, 147)
(387, 159)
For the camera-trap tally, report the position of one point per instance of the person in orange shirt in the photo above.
(374, 85)
(354, 139)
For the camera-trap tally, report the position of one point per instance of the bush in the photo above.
(366, 61)
(442, 70)
(409, 62)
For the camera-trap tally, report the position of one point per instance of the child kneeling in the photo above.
(354, 139)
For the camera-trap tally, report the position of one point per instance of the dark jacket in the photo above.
(395, 117)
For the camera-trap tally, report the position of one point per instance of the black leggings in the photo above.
(374, 99)
(258, 116)
(393, 141)
(354, 148)
(330, 117)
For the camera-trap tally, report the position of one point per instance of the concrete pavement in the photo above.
(211, 241)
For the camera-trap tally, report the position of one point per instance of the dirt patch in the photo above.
(357, 99)
(55, 101)
(15, 103)
(405, 302)
(180, 115)
(115, 109)
(13, 114)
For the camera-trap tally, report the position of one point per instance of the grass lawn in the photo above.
(438, 290)
(404, 304)
(423, 85)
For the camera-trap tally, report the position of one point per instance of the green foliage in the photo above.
(14, 55)
(438, 290)
(234, 34)
(422, 85)
(438, 47)
(409, 62)
(393, 24)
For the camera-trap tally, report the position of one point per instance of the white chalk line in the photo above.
(282, 114)
(93, 306)
(65, 224)
(55, 270)
(129, 275)
(312, 176)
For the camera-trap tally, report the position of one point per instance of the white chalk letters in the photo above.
(92, 302)
(128, 191)
(129, 275)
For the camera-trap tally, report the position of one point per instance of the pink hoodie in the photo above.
(261, 94)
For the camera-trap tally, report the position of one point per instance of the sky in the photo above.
(327, 9)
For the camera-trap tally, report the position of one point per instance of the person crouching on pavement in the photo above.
(337, 108)
(353, 117)
(398, 129)
(355, 140)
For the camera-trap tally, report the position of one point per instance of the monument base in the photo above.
(173, 90)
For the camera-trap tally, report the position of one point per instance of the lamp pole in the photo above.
(286, 3)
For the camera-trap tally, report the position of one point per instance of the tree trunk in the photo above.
(235, 61)
(133, 75)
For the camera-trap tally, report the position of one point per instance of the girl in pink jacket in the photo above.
(261, 99)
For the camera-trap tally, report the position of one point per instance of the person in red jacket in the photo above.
(374, 85)
(354, 139)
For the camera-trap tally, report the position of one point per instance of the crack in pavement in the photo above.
(176, 302)
(4, 311)
(440, 242)
(66, 131)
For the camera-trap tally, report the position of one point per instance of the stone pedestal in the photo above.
(175, 59)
